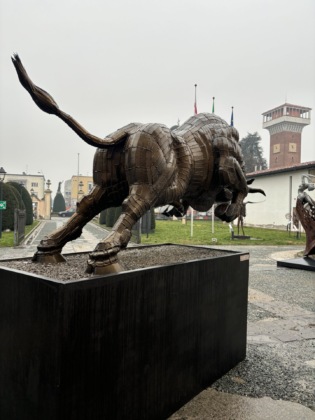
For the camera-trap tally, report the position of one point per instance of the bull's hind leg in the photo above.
(103, 260)
(49, 249)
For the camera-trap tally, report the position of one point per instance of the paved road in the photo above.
(91, 235)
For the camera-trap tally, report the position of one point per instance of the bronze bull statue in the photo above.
(305, 208)
(141, 166)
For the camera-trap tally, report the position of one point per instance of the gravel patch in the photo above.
(130, 258)
(295, 287)
(255, 313)
(278, 371)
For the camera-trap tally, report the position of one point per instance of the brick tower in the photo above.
(285, 124)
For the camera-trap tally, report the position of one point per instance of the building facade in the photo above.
(35, 184)
(75, 188)
(281, 187)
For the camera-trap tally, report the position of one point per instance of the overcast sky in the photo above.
(108, 63)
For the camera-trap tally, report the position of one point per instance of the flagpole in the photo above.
(232, 117)
(213, 98)
(195, 105)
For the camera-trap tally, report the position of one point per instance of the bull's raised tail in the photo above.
(47, 104)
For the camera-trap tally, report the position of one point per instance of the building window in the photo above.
(34, 184)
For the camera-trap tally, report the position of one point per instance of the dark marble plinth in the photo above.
(133, 345)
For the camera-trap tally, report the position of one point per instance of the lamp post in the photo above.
(80, 192)
(2, 176)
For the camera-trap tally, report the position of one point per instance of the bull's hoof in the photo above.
(98, 270)
(48, 258)
(103, 260)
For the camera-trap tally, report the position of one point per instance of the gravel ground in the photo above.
(130, 259)
(278, 371)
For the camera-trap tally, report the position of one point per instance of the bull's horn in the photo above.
(47, 104)
(256, 190)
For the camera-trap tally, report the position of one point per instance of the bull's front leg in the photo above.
(103, 260)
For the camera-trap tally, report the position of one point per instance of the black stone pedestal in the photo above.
(133, 345)
(305, 263)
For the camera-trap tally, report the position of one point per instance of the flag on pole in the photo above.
(213, 105)
(195, 104)
(232, 117)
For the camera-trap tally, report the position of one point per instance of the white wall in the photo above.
(276, 204)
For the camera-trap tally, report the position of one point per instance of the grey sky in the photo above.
(108, 63)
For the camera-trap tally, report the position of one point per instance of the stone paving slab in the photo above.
(234, 407)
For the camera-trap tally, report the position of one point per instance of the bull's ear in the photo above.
(250, 181)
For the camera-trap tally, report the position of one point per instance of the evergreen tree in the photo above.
(253, 152)
(12, 198)
(59, 201)
(26, 199)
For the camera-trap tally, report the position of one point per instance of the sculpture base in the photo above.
(239, 236)
(104, 270)
(305, 263)
(134, 345)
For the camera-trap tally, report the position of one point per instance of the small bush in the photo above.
(59, 203)
(27, 201)
(11, 197)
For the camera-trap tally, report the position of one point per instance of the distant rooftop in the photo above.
(286, 104)
(297, 167)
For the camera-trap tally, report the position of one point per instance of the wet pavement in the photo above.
(277, 378)
(90, 237)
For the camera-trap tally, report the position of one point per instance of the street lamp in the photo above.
(2, 176)
(80, 192)
(80, 187)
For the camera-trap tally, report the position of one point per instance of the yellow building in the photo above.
(80, 186)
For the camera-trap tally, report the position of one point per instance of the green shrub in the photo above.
(112, 215)
(9, 194)
(152, 220)
(59, 203)
(102, 219)
(27, 201)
